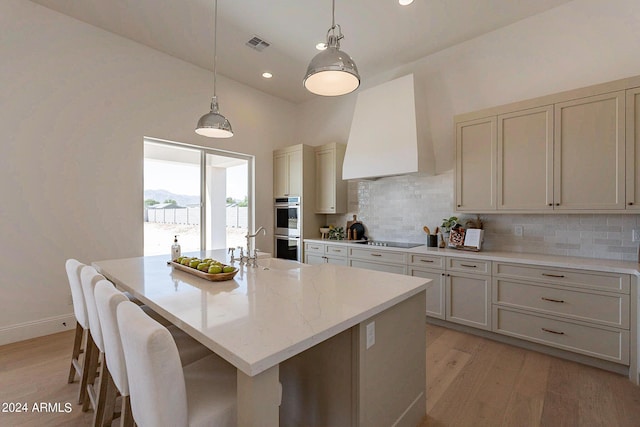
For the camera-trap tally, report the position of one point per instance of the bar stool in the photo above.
(83, 343)
(107, 300)
(163, 393)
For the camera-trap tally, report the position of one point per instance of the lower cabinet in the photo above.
(378, 260)
(468, 300)
(319, 253)
(435, 290)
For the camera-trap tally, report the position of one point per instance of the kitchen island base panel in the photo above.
(253, 408)
(341, 382)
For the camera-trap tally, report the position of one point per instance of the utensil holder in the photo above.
(432, 241)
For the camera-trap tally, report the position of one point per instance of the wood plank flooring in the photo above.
(471, 382)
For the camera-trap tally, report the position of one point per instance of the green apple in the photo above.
(215, 269)
(179, 259)
(185, 261)
(203, 266)
(228, 269)
(194, 262)
(207, 260)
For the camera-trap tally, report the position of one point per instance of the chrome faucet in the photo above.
(255, 251)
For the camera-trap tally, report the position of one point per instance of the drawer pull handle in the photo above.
(376, 254)
(551, 299)
(426, 260)
(469, 265)
(335, 250)
(314, 247)
(559, 276)
(552, 332)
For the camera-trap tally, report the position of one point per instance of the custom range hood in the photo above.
(388, 133)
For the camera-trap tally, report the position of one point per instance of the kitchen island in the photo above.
(313, 345)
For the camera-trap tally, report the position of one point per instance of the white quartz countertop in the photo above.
(266, 314)
(612, 266)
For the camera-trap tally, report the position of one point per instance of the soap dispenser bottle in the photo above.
(175, 249)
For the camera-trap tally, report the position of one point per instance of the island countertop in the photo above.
(266, 314)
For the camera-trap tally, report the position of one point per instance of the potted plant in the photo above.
(446, 226)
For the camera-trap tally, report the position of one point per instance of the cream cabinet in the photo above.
(563, 152)
(585, 312)
(331, 189)
(319, 253)
(525, 160)
(589, 150)
(431, 267)
(633, 150)
(379, 260)
(287, 171)
(476, 147)
(468, 292)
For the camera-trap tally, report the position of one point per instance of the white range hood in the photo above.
(388, 136)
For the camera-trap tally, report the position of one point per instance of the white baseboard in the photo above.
(37, 328)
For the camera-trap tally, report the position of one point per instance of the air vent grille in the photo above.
(258, 44)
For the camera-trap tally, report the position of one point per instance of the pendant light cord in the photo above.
(333, 14)
(215, 42)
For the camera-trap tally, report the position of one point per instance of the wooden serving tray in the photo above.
(219, 277)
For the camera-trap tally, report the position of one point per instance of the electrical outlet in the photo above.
(518, 230)
(371, 334)
(635, 235)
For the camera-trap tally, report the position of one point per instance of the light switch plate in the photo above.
(518, 230)
(635, 235)
(371, 334)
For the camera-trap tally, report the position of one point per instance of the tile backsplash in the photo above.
(396, 209)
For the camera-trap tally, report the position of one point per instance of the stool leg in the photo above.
(105, 398)
(77, 349)
(91, 352)
(126, 417)
(91, 373)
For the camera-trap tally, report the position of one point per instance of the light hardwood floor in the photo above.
(471, 381)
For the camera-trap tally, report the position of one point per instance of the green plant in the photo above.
(336, 233)
(447, 224)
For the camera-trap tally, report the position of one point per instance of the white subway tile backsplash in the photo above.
(396, 209)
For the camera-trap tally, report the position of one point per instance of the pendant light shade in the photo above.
(332, 72)
(213, 124)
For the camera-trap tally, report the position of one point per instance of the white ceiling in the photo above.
(379, 34)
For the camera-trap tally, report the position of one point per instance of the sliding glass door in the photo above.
(201, 195)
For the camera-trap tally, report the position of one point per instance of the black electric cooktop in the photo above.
(389, 244)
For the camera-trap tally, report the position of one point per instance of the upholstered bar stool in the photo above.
(83, 343)
(163, 393)
(107, 299)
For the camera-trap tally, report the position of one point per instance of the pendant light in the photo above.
(213, 124)
(332, 72)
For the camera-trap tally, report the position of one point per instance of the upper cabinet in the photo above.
(632, 149)
(476, 165)
(331, 189)
(565, 152)
(287, 171)
(588, 153)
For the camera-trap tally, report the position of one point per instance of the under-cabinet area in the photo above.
(581, 309)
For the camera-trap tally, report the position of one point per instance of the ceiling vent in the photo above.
(258, 44)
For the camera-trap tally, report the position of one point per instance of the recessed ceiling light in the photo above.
(267, 75)
(405, 2)
(321, 46)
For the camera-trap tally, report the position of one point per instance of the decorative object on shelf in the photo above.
(336, 233)
(324, 232)
(332, 72)
(474, 223)
(213, 124)
(448, 223)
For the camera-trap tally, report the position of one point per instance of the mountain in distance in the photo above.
(162, 195)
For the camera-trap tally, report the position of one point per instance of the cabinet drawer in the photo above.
(565, 276)
(469, 265)
(606, 308)
(378, 256)
(314, 248)
(389, 268)
(333, 250)
(601, 342)
(426, 261)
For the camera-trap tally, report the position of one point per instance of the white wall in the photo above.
(578, 44)
(75, 104)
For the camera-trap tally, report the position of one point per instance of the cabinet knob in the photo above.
(550, 204)
(459, 205)
(557, 204)
(630, 203)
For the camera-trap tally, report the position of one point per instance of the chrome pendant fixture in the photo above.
(332, 72)
(213, 124)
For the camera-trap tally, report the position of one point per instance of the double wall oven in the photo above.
(287, 228)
